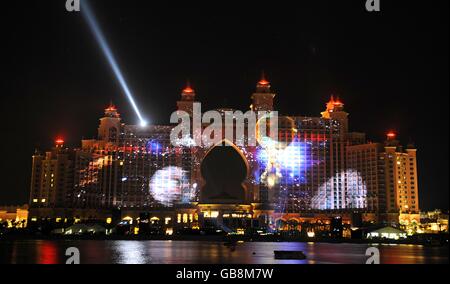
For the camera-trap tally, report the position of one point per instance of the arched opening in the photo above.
(224, 170)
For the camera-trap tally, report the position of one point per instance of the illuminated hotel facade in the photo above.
(317, 170)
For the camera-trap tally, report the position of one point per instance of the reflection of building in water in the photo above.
(316, 165)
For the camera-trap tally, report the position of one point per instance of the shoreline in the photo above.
(224, 239)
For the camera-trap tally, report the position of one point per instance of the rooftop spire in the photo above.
(391, 135)
(188, 93)
(111, 111)
(111, 106)
(263, 85)
(335, 104)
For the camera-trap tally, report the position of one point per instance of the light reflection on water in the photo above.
(191, 252)
(131, 252)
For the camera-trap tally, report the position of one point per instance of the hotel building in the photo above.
(52, 178)
(400, 177)
(317, 170)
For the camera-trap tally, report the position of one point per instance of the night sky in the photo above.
(389, 68)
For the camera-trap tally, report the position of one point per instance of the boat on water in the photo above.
(286, 254)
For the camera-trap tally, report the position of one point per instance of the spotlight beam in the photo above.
(107, 52)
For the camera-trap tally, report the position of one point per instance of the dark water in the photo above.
(191, 252)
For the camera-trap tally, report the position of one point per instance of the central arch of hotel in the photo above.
(223, 198)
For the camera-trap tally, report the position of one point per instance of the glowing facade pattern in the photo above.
(170, 186)
(304, 170)
(93, 172)
(292, 169)
(287, 173)
(356, 190)
(284, 164)
(156, 173)
(355, 195)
